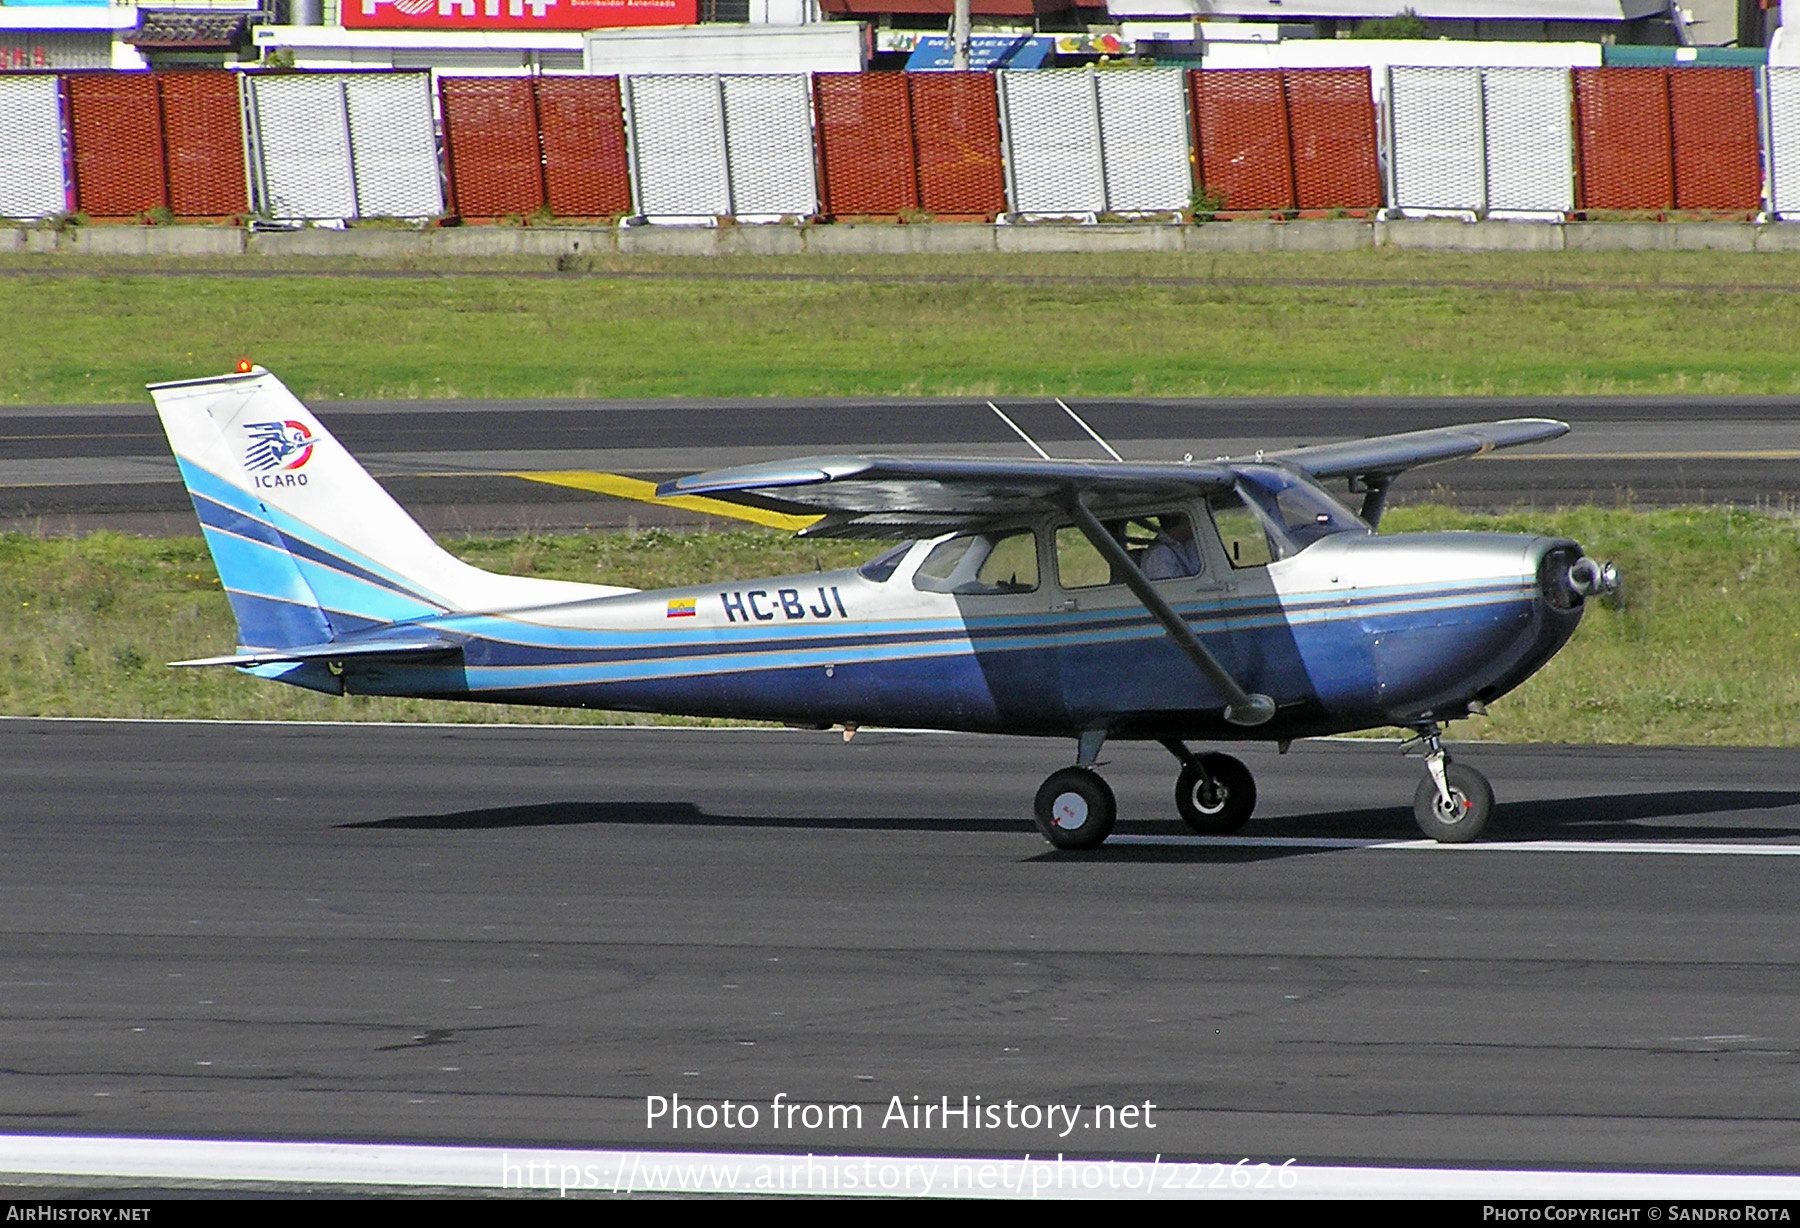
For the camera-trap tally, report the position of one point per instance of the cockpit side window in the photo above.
(1161, 544)
(1242, 531)
(981, 564)
(1301, 510)
(1274, 513)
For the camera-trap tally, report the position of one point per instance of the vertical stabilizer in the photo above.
(310, 547)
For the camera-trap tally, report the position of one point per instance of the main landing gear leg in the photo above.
(1075, 808)
(1452, 804)
(1215, 794)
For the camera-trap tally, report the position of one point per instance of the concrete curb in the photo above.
(875, 239)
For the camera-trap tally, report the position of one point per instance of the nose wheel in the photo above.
(1075, 809)
(1453, 803)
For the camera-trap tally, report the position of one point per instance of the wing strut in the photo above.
(1241, 707)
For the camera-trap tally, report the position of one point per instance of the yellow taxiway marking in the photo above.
(621, 487)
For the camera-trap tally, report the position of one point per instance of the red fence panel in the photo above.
(203, 132)
(865, 133)
(956, 130)
(586, 170)
(1718, 155)
(1624, 139)
(491, 145)
(1331, 116)
(116, 135)
(1241, 126)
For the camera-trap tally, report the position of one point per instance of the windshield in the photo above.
(1297, 510)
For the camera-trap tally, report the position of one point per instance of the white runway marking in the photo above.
(555, 1172)
(1681, 847)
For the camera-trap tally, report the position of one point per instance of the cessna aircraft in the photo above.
(1189, 601)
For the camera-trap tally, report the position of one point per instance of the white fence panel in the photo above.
(680, 167)
(1053, 155)
(769, 145)
(393, 145)
(1782, 92)
(1144, 134)
(301, 147)
(32, 184)
(1530, 140)
(1435, 124)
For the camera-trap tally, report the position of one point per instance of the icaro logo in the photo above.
(280, 447)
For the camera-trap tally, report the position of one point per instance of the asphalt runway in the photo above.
(517, 935)
(454, 463)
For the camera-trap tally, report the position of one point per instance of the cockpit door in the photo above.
(1116, 662)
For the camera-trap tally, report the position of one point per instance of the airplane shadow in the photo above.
(1597, 819)
(661, 814)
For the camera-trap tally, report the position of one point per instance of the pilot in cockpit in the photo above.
(1174, 554)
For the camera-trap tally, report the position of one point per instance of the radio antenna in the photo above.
(1090, 430)
(1021, 434)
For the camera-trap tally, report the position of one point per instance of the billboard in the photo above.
(517, 14)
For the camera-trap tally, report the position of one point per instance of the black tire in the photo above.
(1472, 803)
(1075, 809)
(1216, 795)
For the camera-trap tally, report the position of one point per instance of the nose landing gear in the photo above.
(1453, 803)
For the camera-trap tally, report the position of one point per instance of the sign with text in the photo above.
(517, 14)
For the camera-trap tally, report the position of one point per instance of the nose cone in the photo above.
(1472, 616)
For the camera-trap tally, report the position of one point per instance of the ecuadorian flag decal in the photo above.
(681, 607)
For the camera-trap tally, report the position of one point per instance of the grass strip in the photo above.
(1503, 325)
(1703, 650)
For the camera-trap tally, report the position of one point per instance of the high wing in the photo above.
(1388, 455)
(1373, 464)
(884, 496)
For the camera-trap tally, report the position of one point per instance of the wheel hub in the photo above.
(1070, 811)
(1456, 809)
(1210, 797)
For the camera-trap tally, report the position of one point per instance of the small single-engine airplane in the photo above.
(1210, 601)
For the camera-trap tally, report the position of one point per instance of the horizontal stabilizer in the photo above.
(391, 647)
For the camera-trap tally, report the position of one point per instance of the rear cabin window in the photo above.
(882, 565)
(981, 563)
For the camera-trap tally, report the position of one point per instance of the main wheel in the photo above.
(1471, 802)
(1075, 809)
(1215, 795)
